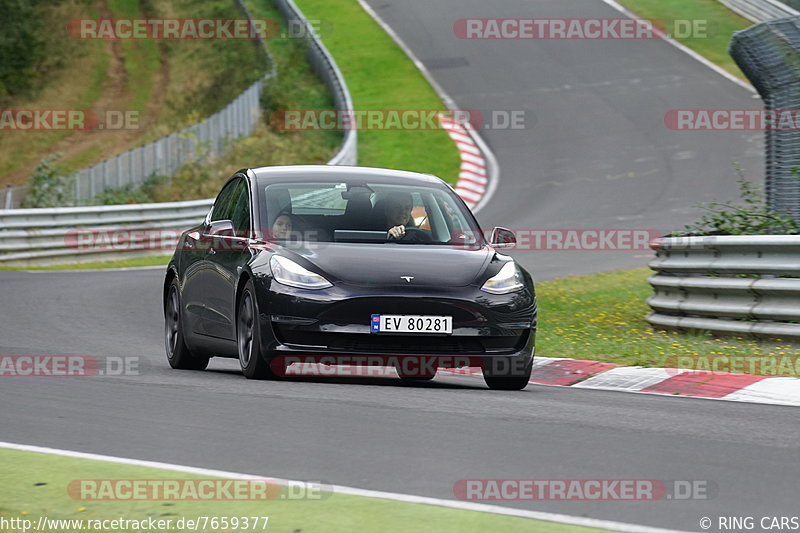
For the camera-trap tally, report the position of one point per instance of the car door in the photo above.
(199, 270)
(228, 252)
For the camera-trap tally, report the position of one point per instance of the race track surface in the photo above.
(377, 434)
(594, 155)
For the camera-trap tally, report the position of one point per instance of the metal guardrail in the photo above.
(163, 157)
(760, 10)
(325, 66)
(744, 285)
(41, 236)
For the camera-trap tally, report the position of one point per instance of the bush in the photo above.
(21, 48)
(49, 188)
(131, 193)
(751, 216)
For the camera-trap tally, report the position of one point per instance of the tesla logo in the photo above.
(407, 278)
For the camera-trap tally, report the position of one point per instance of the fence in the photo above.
(769, 54)
(743, 285)
(39, 235)
(762, 10)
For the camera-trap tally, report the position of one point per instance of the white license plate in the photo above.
(412, 324)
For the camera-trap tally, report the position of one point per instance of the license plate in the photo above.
(412, 324)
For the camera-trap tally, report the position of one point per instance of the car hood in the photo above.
(377, 264)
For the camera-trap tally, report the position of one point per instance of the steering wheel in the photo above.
(417, 234)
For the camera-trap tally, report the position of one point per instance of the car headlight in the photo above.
(509, 279)
(289, 273)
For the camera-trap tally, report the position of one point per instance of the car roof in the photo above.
(344, 173)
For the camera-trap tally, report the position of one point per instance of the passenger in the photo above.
(397, 213)
(282, 227)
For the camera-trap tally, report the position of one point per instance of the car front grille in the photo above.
(398, 344)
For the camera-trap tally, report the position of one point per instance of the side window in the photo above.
(223, 205)
(240, 215)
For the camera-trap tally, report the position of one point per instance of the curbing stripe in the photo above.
(667, 381)
(471, 185)
(391, 496)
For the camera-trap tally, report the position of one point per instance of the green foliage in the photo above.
(131, 193)
(49, 187)
(20, 47)
(748, 215)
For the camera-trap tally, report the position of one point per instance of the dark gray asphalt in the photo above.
(597, 156)
(371, 433)
(595, 152)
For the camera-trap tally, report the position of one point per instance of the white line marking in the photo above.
(392, 496)
(682, 47)
(85, 270)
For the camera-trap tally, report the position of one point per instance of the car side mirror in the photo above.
(221, 228)
(503, 238)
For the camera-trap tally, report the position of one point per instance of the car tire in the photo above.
(178, 354)
(248, 336)
(498, 379)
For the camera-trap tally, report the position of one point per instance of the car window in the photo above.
(223, 205)
(365, 212)
(240, 212)
(317, 199)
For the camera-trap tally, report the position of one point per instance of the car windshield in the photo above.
(364, 212)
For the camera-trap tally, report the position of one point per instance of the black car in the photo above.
(335, 262)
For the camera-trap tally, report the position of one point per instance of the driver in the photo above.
(397, 213)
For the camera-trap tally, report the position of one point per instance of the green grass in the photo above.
(141, 57)
(36, 484)
(601, 317)
(380, 76)
(93, 265)
(722, 22)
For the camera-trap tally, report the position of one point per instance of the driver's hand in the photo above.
(397, 232)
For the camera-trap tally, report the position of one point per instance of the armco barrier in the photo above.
(744, 285)
(41, 236)
(760, 10)
(38, 236)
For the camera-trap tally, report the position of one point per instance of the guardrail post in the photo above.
(9, 197)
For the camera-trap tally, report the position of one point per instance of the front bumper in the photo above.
(337, 321)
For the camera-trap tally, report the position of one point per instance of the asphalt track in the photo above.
(421, 439)
(594, 152)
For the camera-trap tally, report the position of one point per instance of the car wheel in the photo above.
(248, 337)
(499, 374)
(178, 354)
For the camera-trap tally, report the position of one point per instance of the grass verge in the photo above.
(721, 23)
(381, 77)
(601, 317)
(159, 260)
(36, 485)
